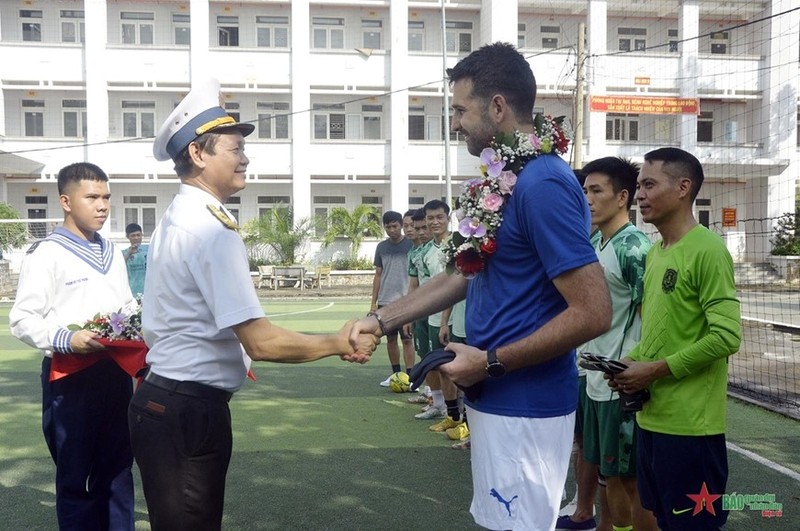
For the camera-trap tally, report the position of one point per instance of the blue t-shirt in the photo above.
(545, 233)
(137, 268)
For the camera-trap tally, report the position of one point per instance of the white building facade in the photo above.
(347, 96)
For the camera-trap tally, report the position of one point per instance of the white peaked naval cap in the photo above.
(200, 112)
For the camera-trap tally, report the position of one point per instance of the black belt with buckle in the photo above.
(194, 389)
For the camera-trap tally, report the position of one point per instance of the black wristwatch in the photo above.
(494, 367)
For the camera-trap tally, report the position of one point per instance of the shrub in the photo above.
(349, 263)
(786, 238)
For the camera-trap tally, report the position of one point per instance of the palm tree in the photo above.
(355, 226)
(277, 230)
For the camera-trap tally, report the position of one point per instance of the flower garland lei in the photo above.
(481, 203)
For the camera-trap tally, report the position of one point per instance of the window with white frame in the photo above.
(433, 127)
(33, 115)
(370, 121)
(663, 129)
(232, 108)
(521, 37)
(705, 126)
(323, 204)
(719, 42)
(673, 40)
(703, 207)
(36, 205)
(138, 118)
(416, 35)
(140, 209)
(550, 36)
(137, 27)
(268, 203)
(73, 28)
(458, 36)
(227, 30)
(232, 205)
(74, 116)
(632, 39)
(376, 202)
(371, 30)
(31, 20)
(273, 119)
(416, 122)
(622, 127)
(329, 121)
(272, 32)
(327, 33)
(181, 29)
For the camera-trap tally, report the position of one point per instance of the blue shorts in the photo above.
(672, 468)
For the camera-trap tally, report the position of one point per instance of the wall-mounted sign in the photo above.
(641, 80)
(728, 217)
(644, 105)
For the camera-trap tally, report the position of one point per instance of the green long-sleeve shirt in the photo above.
(691, 319)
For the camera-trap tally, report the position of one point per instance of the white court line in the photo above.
(764, 461)
(302, 311)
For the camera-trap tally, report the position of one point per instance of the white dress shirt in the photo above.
(198, 287)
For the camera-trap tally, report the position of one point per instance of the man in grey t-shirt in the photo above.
(391, 283)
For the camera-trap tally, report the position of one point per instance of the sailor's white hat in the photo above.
(200, 112)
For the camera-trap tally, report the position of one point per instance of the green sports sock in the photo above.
(622, 528)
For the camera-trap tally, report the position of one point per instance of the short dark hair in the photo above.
(390, 216)
(409, 213)
(183, 162)
(678, 163)
(580, 175)
(418, 215)
(132, 227)
(437, 204)
(621, 172)
(499, 68)
(79, 171)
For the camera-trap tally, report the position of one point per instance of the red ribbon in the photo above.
(129, 355)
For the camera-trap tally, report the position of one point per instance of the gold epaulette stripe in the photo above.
(222, 120)
(222, 217)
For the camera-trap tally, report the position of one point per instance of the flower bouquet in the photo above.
(481, 203)
(120, 332)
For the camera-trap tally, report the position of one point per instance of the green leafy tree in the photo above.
(278, 231)
(11, 234)
(354, 226)
(786, 238)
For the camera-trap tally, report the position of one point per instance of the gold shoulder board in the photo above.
(222, 217)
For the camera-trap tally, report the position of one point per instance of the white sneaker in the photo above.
(386, 382)
(431, 413)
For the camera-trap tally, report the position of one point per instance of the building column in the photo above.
(97, 111)
(301, 99)
(499, 20)
(689, 22)
(199, 64)
(398, 108)
(597, 32)
(780, 121)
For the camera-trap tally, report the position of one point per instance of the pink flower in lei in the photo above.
(482, 199)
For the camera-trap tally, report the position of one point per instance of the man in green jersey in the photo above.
(690, 325)
(608, 432)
